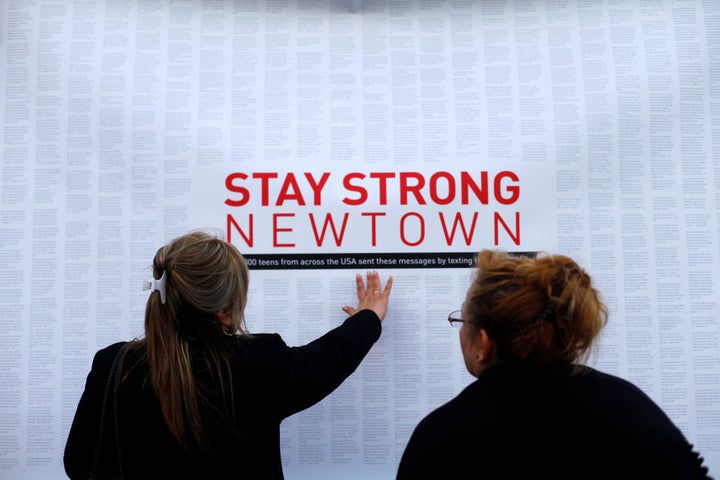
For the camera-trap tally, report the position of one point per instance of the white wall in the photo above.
(121, 120)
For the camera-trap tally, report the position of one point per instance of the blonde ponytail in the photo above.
(204, 275)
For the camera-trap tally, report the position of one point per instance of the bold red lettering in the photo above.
(230, 185)
(450, 196)
(514, 190)
(449, 238)
(319, 239)
(317, 187)
(277, 229)
(421, 226)
(290, 184)
(498, 219)
(373, 230)
(265, 185)
(382, 184)
(232, 223)
(363, 195)
(406, 188)
(467, 183)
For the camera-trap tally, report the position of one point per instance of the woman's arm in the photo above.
(313, 371)
(316, 369)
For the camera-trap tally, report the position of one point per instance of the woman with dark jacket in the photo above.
(198, 396)
(534, 410)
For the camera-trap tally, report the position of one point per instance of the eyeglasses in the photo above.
(455, 318)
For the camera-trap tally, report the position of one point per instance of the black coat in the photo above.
(520, 423)
(271, 381)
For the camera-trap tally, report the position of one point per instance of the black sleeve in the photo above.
(313, 371)
(426, 454)
(411, 464)
(695, 463)
(660, 447)
(82, 440)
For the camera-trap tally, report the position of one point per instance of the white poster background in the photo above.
(121, 120)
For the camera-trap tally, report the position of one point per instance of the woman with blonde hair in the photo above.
(198, 396)
(535, 411)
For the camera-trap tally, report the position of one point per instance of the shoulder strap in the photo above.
(111, 375)
(118, 371)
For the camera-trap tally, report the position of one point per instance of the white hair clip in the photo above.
(158, 285)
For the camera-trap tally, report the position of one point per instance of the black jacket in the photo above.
(271, 381)
(519, 423)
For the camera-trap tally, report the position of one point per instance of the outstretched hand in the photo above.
(374, 297)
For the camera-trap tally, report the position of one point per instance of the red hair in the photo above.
(541, 310)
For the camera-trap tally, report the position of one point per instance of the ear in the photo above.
(484, 346)
(224, 318)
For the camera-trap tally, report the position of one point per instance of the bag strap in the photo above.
(108, 382)
(121, 355)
